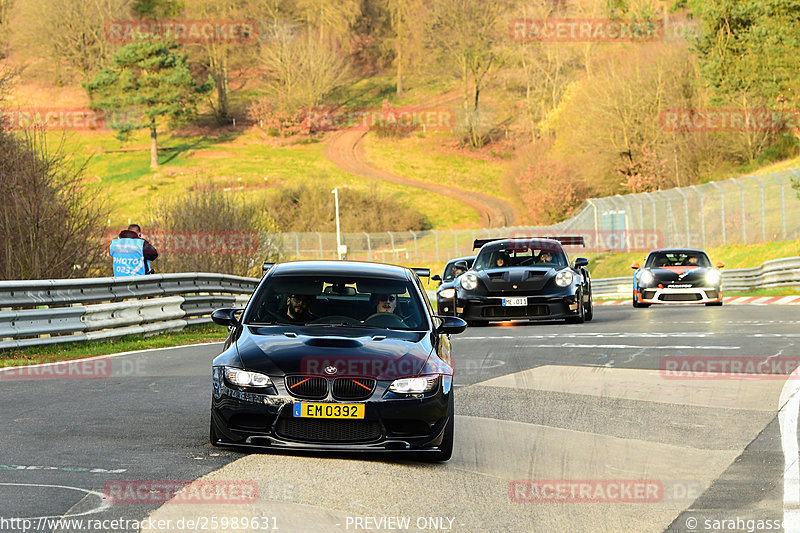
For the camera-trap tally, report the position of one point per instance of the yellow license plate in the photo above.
(328, 410)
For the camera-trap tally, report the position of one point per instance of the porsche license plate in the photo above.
(515, 302)
(328, 410)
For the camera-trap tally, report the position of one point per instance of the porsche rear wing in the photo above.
(566, 240)
(422, 272)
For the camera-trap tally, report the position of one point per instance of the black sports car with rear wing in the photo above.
(337, 356)
(525, 279)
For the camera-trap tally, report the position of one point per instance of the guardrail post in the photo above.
(721, 211)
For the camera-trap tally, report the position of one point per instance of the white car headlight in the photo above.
(448, 293)
(414, 385)
(564, 278)
(713, 277)
(243, 378)
(646, 277)
(469, 282)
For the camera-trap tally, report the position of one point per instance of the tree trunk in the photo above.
(399, 71)
(153, 146)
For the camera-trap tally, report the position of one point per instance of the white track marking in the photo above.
(788, 406)
(104, 505)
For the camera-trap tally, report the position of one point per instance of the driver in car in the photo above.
(383, 303)
(297, 308)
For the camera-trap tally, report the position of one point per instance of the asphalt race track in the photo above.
(541, 409)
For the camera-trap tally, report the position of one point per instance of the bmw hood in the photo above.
(378, 354)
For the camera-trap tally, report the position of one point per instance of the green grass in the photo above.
(81, 349)
(421, 157)
(248, 162)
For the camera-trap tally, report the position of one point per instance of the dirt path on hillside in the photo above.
(346, 150)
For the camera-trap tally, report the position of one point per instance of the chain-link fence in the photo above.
(746, 210)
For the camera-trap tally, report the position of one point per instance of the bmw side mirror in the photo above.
(451, 325)
(226, 316)
(581, 262)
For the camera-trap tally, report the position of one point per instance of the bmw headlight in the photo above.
(243, 378)
(469, 282)
(448, 293)
(646, 277)
(563, 278)
(713, 277)
(414, 385)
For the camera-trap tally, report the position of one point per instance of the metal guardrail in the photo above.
(36, 313)
(42, 312)
(771, 274)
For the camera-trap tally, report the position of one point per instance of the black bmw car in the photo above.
(525, 279)
(682, 275)
(446, 291)
(336, 355)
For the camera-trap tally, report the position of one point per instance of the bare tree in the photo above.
(69, 31)
(466, 35)
(50, 225)
(302, 71)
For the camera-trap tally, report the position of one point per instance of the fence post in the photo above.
(686, 215)
(416, 253)
(319, 252)
(596, 234)
(297, 245)
(436, 243)
(369, 247)
(763, 215)
(699, 194)
(455, 243)
(744, 220)
(721, 211)
(391, 239)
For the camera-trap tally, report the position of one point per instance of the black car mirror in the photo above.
(436, 277)
(581, 262)
(227, 316)
(462, 265)
(451, 325)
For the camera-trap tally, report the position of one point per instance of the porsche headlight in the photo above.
(563, 278)
(713, 277)
(646, 277)
(469, 282)
(243, 378)
(448, 293)
(414, 385)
